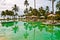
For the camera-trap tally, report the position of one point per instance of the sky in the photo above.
(8, 4)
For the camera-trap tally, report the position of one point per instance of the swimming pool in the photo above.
(28, 31)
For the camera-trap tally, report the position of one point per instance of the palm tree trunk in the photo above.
(14, 16)
(26, 8)
(35, 4)
(53, 6)
(4, 17)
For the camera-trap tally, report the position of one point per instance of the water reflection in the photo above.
(57, 34)
(34, 30)
(26, 35)
(8, 24)
(15, 29)
(48, 28)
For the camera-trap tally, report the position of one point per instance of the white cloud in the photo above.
(8, 4)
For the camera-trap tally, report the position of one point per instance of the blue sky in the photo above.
(8, 4)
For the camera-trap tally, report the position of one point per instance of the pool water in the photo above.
(28, 31)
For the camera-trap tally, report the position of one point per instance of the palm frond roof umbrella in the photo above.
(51, 15)
(33, 16)
(42, 16)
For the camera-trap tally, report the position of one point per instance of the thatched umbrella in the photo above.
(52, 17)
(34, 18)
(42, 17)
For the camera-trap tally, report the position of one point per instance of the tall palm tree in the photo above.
(34, 4)
(26, 4)
(15, 9)
(52, 5)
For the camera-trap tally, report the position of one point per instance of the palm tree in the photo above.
(30, 9)
(58, 6)
(26, 4)
(16, 14)
(7, 12)
(11, 13)
(42, 11)
(3, 14)
(52, 5)
(47, 9)
(26, 10)
(15, 9)
(19, 17)
(35, 12)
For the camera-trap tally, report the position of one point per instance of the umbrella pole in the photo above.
(53, 20)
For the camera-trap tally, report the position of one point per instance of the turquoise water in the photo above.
(28, 31)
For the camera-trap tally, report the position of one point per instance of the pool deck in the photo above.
(44, 21)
